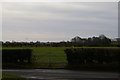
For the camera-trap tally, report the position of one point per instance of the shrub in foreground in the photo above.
(92, 56)
(16, 55)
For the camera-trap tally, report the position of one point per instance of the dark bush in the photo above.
(16, 55)
(78, 56)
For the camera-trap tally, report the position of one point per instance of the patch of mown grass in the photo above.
(11, 77)
(50, 50)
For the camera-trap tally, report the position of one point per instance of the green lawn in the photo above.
(11, 77)
(50, 50)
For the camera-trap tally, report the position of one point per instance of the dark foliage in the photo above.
(78, 56)
(16, 55)
(76, 41)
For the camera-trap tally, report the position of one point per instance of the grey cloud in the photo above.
(70, 19)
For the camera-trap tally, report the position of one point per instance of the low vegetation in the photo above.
(11, 77)
(16, 55)
(93, 58)
(44, 57)
(51, 57)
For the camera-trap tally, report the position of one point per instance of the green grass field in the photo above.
(11, 77)
(49, 57)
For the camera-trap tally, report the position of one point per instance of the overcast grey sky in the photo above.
(58, 21)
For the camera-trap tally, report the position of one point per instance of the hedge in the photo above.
(77, 56)
(16, 55)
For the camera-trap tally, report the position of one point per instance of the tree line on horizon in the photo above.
(77, 41)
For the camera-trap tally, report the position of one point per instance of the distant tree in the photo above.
(95, 41)
(104, 40)
(118, 39)
(102, 36)
(76, 39)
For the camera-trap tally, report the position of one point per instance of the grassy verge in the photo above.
(96, 67)
(11, 77)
